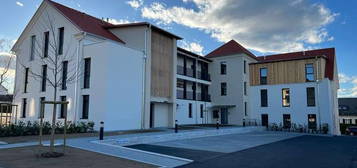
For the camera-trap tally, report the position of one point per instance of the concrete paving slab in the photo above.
(229, 143)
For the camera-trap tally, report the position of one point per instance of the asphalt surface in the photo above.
(299, 152)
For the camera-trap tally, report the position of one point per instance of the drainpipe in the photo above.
(77, 76)
(318, 91)
(144, 80)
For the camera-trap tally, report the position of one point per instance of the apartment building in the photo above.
(347, 108)
(296, 89)
(123, 75)
(133, 76)
(193, 82)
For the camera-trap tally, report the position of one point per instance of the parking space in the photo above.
(229, 143)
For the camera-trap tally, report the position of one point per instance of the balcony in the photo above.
(180, 94)
(203, 76)
(203, 97)
(180, 70)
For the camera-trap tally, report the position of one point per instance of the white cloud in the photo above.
(120, 21)
(135, 3)
(265, 26)
(191, 46)
(19, 3)
(351, 90)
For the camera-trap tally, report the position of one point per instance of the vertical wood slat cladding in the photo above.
(161, 65)
(286, 71)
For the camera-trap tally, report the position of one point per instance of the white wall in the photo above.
(116, 90)
(298, 104)
(182, 112)
(234, 78)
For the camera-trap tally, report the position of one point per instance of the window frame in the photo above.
(223, 67)
(85, 107)
(189, 110)
(244, 66)
(44, 78)
(62, 106)
(264, 102)
(46, 40)
(33, 47)
(60, 40)
(285, 97)
(263, 80)
(64, 75)
(24, 108)
(87, 72)
(26, 81)
(223, 88)
(307, 66)
(201, 110)
(310, 97)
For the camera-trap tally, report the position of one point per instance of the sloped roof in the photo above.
(327, 53)
(230, 48)
(193, 54)
(86, 22)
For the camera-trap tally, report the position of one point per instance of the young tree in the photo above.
(55, 56)
(7, 61)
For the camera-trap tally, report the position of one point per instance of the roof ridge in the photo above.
(229, 48)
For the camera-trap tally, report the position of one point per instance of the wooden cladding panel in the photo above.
(286, 71)
(161, 65)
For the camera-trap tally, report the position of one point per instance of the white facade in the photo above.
(115, 95)
(234, 100)
(299, 110)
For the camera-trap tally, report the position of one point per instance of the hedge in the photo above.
(33, 128)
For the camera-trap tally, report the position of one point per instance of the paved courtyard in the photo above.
(262, 150)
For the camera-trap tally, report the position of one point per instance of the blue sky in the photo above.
(264, 27)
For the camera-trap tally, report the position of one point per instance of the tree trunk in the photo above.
(52, 141)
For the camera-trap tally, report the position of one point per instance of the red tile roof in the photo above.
(328, 53)
(229, 48)
(85, 22)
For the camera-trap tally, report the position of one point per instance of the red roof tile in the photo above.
(328, 53)
(85, 22)
(229, 48)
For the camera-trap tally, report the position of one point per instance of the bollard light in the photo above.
(101, 131)
(176, 126)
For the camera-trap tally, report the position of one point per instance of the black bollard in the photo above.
(101, 131)
(176, 126)
(217, 124)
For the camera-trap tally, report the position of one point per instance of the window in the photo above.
(190, 110)
(85, 107)
(311, 121)
(223, 89)
(223, 68)
(45, 45)
(245, 109)
(26, 79)
(33, 47)
(245, 66)
(41, 100)
(201, 110)
(63, 107)
(286, 97)
(64, 74)
(44, 78)
(87, 62)
(245, 88)
(286, 121)
(60, 40)
(310, 92)
(215, 114)
(264, 98)
(263, 76)
(309, 73)
(24, 104)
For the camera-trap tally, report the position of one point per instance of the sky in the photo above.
(264, 27)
